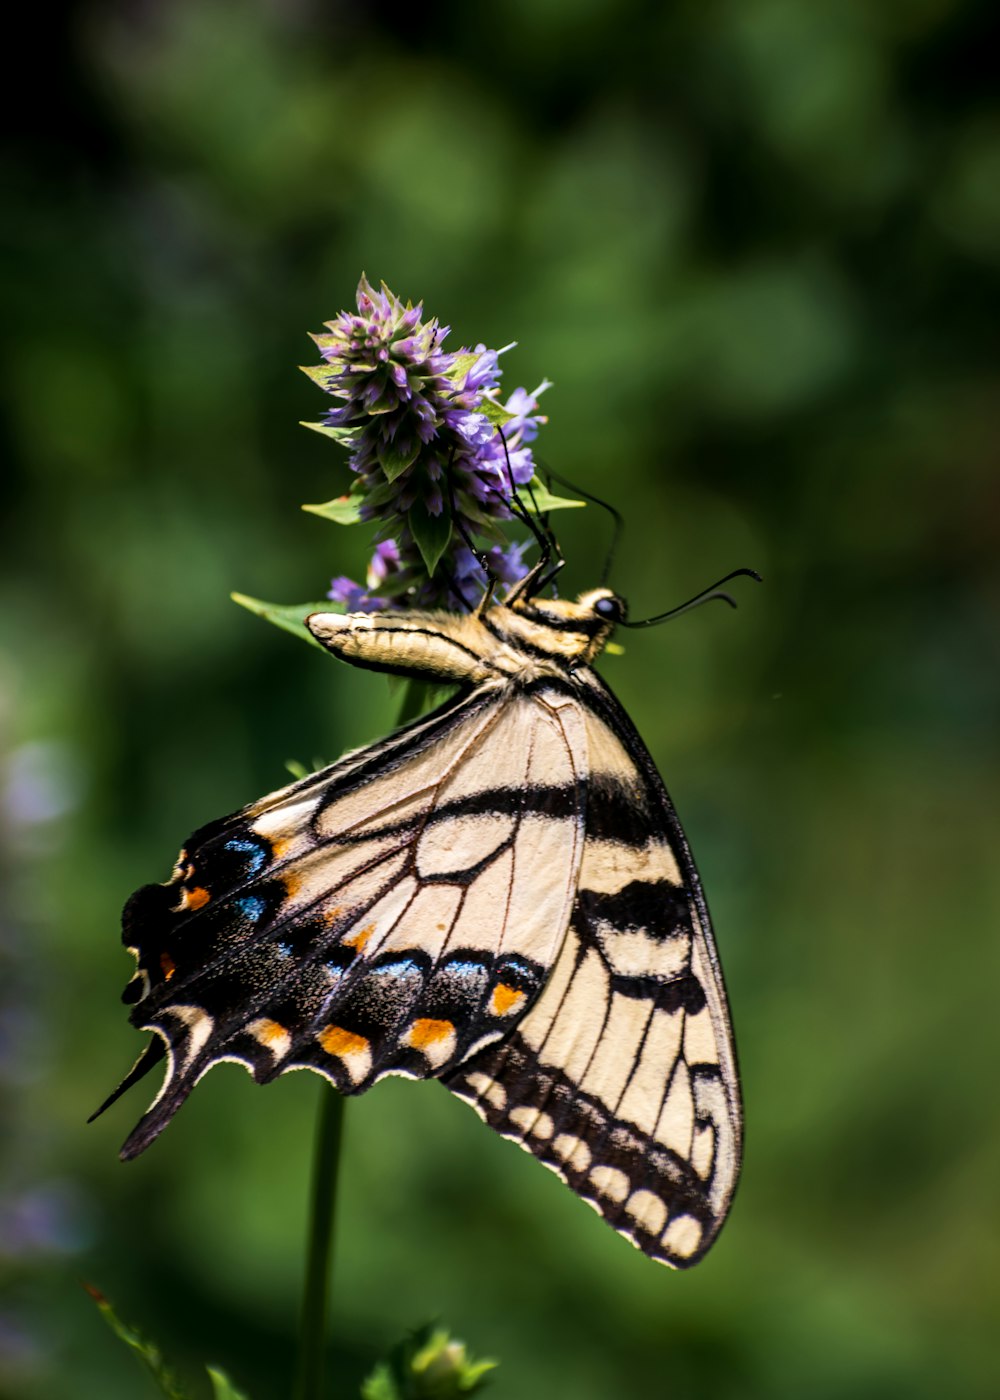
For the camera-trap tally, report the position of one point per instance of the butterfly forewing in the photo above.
(387, 916)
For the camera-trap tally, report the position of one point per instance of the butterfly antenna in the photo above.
(480, 555)
(616, 516)
(707, 595)
(538, 523)
(534, 520)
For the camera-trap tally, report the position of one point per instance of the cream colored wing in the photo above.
(622, 1077)
(390, 915)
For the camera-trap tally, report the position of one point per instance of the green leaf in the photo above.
(381, 1384)
(379, 495)
(319, 374)
(327, 340)
(395, 460)
(345, 436)
(147, 1352)
(495, 412)
(290, 616)
(429, 1365)
(485, 524)
(462, 365)
(301, 770)
(432, 534)
(544, 499)
(345, 510)
(222, 1386)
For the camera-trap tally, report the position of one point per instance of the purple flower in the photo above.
(352, 596)
(524, 419)
(506, 563)
(384, 561)
(436, 454)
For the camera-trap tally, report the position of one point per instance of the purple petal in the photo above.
(384, 561)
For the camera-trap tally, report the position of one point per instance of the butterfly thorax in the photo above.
(529, 638)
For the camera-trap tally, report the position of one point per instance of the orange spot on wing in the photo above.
(330, 916)
(426, 1032)
(505, 999)
(360, 938)
(280, 846)
(167, 966)
(336, 1041)
(292, 882)
(270, 1031)
(196, 898)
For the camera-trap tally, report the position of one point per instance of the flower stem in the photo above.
(319, 1248)
(413, 702)
(323, 1189)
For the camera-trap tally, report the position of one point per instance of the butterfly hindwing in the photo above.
(622, 1077)
(386, 916)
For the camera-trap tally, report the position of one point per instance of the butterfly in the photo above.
(499, 895)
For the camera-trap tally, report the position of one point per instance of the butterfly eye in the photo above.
(611, 608)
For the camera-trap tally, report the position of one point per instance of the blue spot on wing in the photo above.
(402, 967)
(516, 965)
(253, 849)
(464, 969)
(252, 907)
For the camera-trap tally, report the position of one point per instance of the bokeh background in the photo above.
(756, 244)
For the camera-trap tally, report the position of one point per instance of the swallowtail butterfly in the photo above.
(499, 896)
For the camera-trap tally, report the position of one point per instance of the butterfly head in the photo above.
(579, 629)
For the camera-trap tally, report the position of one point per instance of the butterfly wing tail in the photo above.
(175, 1090)
(147, 1061)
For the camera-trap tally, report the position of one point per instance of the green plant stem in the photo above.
(319, 1246)
(323, 1191)
(413, 701)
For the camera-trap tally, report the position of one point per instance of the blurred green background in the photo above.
(756, 245)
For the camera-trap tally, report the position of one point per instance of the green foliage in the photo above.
(495, 412)
(432, 534)
(395, 459)
(541, 499)
(290, 617)
(340, 435)
(428, 1365)
(345, 510)
(222, 1386)
(147, 1352)
(152, 1358)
